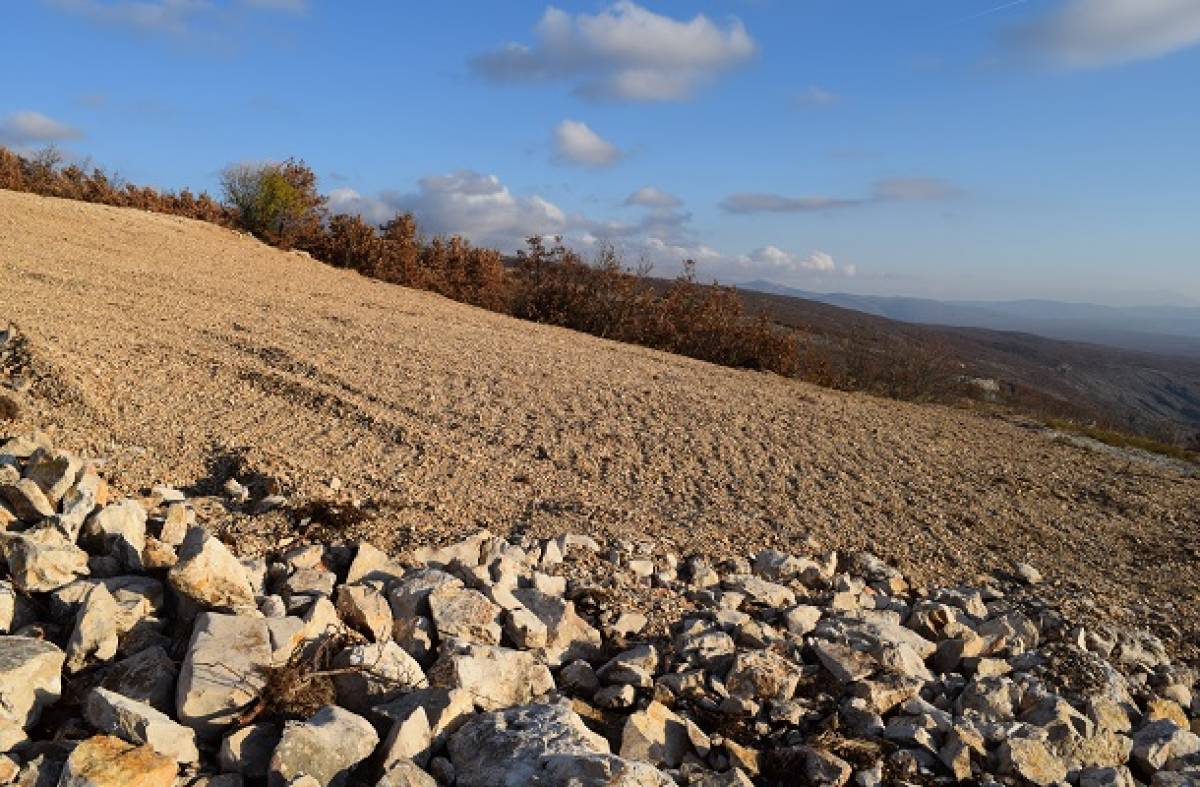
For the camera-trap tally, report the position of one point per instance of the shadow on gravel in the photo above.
(225, 463)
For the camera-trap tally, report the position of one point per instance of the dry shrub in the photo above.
(555, 285)
(303, 684)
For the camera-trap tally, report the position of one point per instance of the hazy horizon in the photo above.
(1038, 149)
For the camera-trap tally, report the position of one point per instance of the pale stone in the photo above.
(325, 747)
(223, 672)
(30, 678)
(138, 723)
(494, 677)
(209, 574)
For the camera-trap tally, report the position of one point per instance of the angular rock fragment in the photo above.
(223, 672)
(138, 723)
(106, 761)
(325, 747)
(209, 574)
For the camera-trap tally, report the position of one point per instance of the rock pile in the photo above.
(137, 649)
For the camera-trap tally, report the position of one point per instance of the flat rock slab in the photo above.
(540, 745)
(30, 678)
(224, 671)
(137, 722)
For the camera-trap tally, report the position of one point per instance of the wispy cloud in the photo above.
(914, 189)
(171, 17)
(815, 98)
(653, 197)
(761, 202)
(624, 52)
(1098, 33)
(28, 127)
(576, 143)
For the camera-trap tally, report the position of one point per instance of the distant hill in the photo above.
(1171, 330)
(1152, 393)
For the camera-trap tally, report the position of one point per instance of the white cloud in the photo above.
(624, 52)
(576, 143)
(1096, 33)
(772, 260)
(815, 98)
(30, 128)
(653, 197)
(484, 210)
(467, 203)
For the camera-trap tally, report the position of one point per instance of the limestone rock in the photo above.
(655, 735)
(325, 747)
(465, 614)
(30, 678)
(405, 773)
(445, 710)
(209, 574)
(366, 610)
(138, 723)
(119, 530)
(42, 560)
(27, 500)
(105, 761)
(494, 677)
(540, 745)
(54, 472)
(375, 674)
(95, 632)
(568, 636)
(222, 673)
(247, 751)
(1031, 760)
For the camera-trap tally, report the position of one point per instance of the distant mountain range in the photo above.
(1171, 330)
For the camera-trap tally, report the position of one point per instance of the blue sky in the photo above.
(945, 148)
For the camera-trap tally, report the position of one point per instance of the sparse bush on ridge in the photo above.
(279, 203)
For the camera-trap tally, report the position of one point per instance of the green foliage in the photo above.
(276, 202)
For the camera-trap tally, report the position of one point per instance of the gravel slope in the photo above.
(173, 349)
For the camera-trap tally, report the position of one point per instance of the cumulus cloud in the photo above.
(624, 52)
(915, 189)
(772, 260)
(816, 98)
(31, 128)
(469, 203)
(576, 143)
(653, 197)
(1096, 33)
(484, 210)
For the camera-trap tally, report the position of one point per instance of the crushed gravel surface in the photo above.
(185, 354)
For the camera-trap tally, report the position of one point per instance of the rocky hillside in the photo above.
(136, 649)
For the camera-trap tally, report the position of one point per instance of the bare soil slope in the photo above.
(176, 349)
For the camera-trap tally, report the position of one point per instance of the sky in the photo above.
(982, 149)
